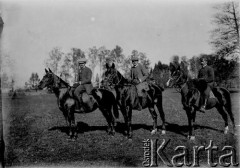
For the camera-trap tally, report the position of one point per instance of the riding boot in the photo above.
(139, 106)
(79, 104)
(203, 107)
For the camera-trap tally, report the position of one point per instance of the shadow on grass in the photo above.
(183, 129)
(120, 128)
(84, 127)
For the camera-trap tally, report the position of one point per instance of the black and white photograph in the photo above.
(119, 83)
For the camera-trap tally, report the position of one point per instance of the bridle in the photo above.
(111, 77)
(177, 79)
(55, 81)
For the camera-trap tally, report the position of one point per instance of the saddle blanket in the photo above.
(141, 87)
(211, 95)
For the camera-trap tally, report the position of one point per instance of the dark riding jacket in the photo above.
(85, 75)
(207, 73)
(139, 73)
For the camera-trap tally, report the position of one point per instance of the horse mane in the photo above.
(123, 79)
(61, 81)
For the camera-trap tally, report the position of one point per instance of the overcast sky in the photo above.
(159, 28)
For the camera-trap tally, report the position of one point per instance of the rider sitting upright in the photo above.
(138, 75)
(83, 81)
(206, 83)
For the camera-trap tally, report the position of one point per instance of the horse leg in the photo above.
(127, 114)
(65, 114)
(154, 117)
(232, 119)
(107, 117)
(190, 127)
(70, 123)
(193, 119)
(129, 122)
(124, 113)
(75, 129)
(161, 112)
(224, 116)
(112, 120)
(228, 110)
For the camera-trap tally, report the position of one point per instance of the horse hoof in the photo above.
(191, 138)
(69, 138)
(153, 131)
(75, 137)
(111, 133)
(163, 132)
(130, 139)
(226, 130)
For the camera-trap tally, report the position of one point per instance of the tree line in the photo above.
(224, 39)
(65, 64)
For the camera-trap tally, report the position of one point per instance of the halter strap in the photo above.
(59, 80)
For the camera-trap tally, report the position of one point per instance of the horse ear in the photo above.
(107, 66)
(46, 70)
(113, 65)
(49, 70)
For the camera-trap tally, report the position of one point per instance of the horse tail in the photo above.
(228, 105)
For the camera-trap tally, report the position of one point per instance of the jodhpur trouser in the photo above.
(205, 93)
(78, 91)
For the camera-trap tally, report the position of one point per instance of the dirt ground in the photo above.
(35, 134)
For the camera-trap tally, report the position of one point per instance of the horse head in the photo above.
(112, 76)
(178, 74)
(48, 80)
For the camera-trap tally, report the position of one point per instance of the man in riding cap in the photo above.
(109, 61)
(206, 82)
(138, 75)
(83, 80)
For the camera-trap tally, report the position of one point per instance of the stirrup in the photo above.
(202, 109)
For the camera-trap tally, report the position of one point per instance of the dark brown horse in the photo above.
(127, 97)
(100, 98)
(189, 89)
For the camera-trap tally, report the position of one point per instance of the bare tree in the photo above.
(225, 36)
(117, 55)
(65, 68)
(144, 60)
(93, 57)
(53, 61)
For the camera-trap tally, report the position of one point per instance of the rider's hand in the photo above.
(80, 82)
(140, 80)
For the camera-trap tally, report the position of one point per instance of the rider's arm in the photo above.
(77, 77)
(210, 75)
(144, 73)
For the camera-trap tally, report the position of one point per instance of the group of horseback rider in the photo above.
(138, 76)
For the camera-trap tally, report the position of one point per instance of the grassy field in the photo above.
(35, 133)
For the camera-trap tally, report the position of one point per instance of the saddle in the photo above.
(142, 92)
(142, 88)
(88, 101)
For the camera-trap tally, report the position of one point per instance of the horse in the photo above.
(190, 95)
(127, 98)
(102, 99)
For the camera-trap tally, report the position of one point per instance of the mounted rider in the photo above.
(205, 82)
(138, 75)
(82, 81)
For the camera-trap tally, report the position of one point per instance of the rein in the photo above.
(118, 83)
(179, 83)
(57, 82)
